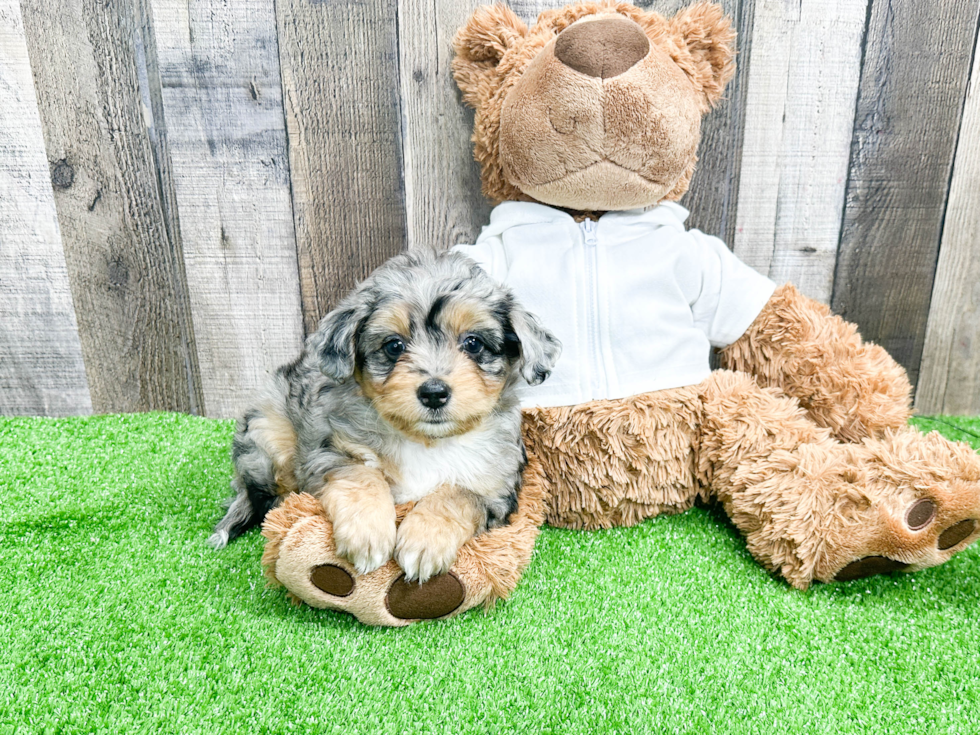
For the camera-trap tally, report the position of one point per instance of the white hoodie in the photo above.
(636, 300)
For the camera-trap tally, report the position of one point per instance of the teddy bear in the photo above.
(586, 129)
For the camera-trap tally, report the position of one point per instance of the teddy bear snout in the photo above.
(603, 48)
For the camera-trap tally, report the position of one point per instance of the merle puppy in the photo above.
(406, 392)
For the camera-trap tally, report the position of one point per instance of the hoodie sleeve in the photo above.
(732, 293)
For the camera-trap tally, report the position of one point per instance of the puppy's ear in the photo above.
(539, 348)
(335, 340)
(480, 45)
(710, 39)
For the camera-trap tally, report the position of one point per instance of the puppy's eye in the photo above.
(473, 345)
(393, 347)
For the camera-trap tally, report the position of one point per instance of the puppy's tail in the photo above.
(247, 509)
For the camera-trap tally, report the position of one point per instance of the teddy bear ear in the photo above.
(480, 44)
(707, 33)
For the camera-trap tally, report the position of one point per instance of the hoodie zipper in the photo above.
(596, 379)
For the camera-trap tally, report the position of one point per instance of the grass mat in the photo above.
(117, 618)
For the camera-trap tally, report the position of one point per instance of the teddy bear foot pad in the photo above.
(405, 600)
(915, 522)
(943, 541)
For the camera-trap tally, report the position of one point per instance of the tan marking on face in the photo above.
(393, 317)
(369, 387)
(460, 317)
(274, 433)
(474, 393)
(396, 399)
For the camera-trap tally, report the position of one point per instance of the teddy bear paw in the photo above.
(916, 530)
(404, 600)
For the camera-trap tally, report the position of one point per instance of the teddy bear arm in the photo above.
(854, 388)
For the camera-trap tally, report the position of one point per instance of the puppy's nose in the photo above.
(434, 393)
(602, 48)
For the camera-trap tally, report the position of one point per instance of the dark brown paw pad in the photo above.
(868, 567)
(920, 514)
(332, 579)
(433, 599)
(956, 534)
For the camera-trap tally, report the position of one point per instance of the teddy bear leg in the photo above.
(813, 508)
(847, 385)
(617, 462)
(300, 555)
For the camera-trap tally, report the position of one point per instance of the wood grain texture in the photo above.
(913, 81)
(443, 202)
(799, 112)
(222, 98)
(107, 166)
(950, 378)
(41, 368)
(714, 193)
(339, 64)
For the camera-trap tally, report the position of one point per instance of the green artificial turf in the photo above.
(117, 618)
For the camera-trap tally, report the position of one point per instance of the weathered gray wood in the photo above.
(222, 98)
(41, 368)
(714, 193)
(443, 202)
(339, 65)
(95, 97)
(916, 66)
(802, 88)
(950, 378)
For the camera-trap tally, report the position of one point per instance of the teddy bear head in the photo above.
(598, 106)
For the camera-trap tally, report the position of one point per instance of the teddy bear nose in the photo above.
(602, 48)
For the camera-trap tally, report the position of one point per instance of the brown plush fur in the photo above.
(299, 538)
(808, 504)
(615, 463)
(853, 388)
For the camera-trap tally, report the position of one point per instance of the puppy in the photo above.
(406, 392)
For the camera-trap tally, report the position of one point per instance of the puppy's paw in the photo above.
(424, 549)
(364, 534)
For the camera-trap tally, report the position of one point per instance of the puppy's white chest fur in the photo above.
(466, 461)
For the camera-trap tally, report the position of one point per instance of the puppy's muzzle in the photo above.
(434, 393)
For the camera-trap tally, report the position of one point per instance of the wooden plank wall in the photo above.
(950, 378)
(802, 89)
(910, 102)
(124, 262)
(41, 370)
(196, 182)
(221, 98)
(340, 82)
